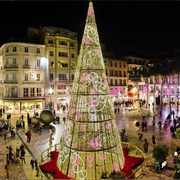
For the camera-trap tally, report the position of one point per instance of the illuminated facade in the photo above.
(22, 74)
(61, 53)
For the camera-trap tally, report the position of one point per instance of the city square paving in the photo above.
(125, 119)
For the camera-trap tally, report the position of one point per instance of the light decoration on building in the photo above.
(168, 91)
(115, 91)
(91, 144)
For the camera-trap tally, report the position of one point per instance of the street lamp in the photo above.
(50, 93)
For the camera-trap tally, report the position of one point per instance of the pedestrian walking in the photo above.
(145, 145)
(7, 153)
(7, 167)
(17, 151)
(32, 162)
(22, 157)
(137, 125)
(50, 133)
(164, 166)
(154, 121)
(153, 140)
(28, 134)
(4, 133)
(160, 124)
(140, 136)
(36, 167)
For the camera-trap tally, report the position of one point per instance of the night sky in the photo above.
(148, 26)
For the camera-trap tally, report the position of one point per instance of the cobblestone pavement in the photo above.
(40, 142)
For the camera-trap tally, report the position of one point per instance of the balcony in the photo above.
(26, 66)
(10, 66)
(11, 81)
(32, 82)
(38, 67)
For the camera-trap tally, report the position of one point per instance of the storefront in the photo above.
(23, 105)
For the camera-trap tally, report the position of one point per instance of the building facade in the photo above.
(35, 75)
(22, 72)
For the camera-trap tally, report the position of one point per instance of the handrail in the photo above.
(45, 154)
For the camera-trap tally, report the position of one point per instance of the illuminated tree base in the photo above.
(88, 165)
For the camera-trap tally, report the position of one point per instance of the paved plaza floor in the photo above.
(40, 142)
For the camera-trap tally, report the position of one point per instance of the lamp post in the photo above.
(50, 93)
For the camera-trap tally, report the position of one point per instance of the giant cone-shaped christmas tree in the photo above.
(91, 144)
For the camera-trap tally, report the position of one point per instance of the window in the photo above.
(119, 64)
(38, 50)
(63, 43)
(26, 62)
(62, 77)
(124, 65)
(7, 76)
(64, 64)
(51, 64)
(7, 61)
(124, 73)
(116, 82)
(63, 54)
(14, 61)
(51, 53)
(72, 55)
(7, 49)
(111, 82)
(14, 49)
(120, 73)
(32, 92)
(115, 64)
(25, 49)
(60, 87)
(120, 82)
(39, 92)
(72, 77)
(25, 92)
(72, 45)
(51, 77)
(111, 72)
(38, 63)
(14, 77)
(50, 41)
(124, 82)
(116, 73)
(111, 63)
(37, 77)
(26, 77)
(107, 72)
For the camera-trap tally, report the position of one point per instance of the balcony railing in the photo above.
(32, 82)
(11, 81)
(10, 66)
(26, 66)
